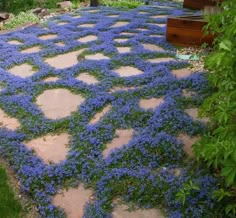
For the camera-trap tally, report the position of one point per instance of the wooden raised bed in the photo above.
(200, 4)
(187, 31)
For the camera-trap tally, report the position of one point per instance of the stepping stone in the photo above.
(88, 38)
(87, 78)
(60, 44)
(193, 112)
(124, 136)
(181, 73)
(188, 94)
(156, 35)
(152, 47)
(151, 103)
(51, 79)
(98, 116)
(87, 25)
(31, 50)
(122, 211)
(142, 29)
(77, 16)
(58, 103)
(123, 50)
(96, 57)
(127, 71)
(62, 23)
(158, 24)
(14, 42)
(120, 24)
(48, 36)
(66, 60)
(161, 25)
(188, 142)
(51, 148)
(73, 201)
(24, 70)
(114, 15)
(8, 122)
(160, 16)
(143, 12)
(120, 40)
(160, 60)
(122, 88)
(127, 34)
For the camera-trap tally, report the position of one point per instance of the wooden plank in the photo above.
(199, 4)
(187, 37)
(185, 22)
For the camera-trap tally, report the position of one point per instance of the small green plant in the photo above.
(9, 206)
(20, 19)
(186, 191)
(127, 4)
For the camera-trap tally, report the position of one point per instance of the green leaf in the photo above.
(226, 45)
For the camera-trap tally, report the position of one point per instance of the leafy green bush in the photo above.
(218, 146)
(128, 4)
(20, 19)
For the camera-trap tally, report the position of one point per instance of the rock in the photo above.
(4, 16)
(65, 4)
(36, 10)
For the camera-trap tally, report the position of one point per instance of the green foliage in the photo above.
(218, 146)
(9, 207)
(127, 4)
(20, 19)
(186, 191)
(16, 6)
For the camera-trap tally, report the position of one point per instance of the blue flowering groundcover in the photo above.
(141, 172)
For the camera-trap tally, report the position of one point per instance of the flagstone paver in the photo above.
(51, 79)
(152, 47)
(188, 142)
(58, 103)
(60, 44)
(151, 103)
(88, 38)
(193, 112)
(15, 42)
(8, 122)
(98, 116)
(122, 50)
(87, 78)
(73, 201)
(160, 60)
(31, 50)
(48, 36)
(122, 211)
(122, 137)
(51, 148)
(24, 70)
(120, 40)
(181, 73)
(66, 60)
(122, 88)
(96, 57)
(126, 71)
(120, 24)
(87, 25)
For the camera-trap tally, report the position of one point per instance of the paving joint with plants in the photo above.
(97, 114)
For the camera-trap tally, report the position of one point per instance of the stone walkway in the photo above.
(86, 72)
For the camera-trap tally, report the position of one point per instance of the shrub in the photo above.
(128, 4)
(218, 146)
(20, 19)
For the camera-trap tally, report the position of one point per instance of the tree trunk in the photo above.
(94, 3)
